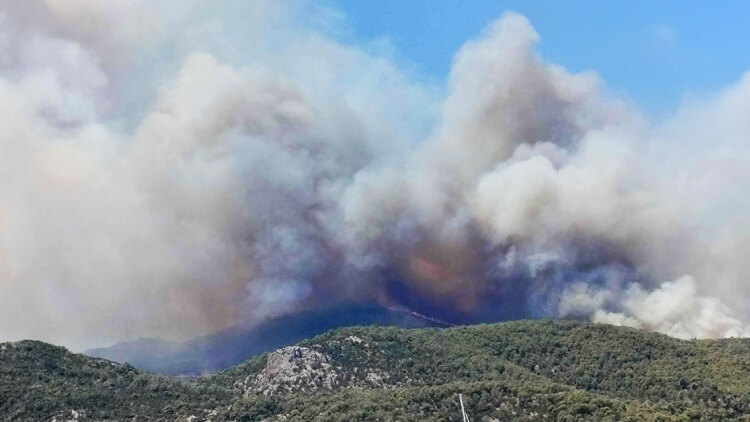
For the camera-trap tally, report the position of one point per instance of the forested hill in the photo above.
(525, 370)
(234, 345)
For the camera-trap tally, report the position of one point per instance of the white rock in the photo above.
(294, 369)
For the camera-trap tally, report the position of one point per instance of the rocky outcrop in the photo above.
(295, 369)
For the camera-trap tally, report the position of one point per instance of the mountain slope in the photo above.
(525, 370)
(234, 345)
(41, 382)
(564, 370)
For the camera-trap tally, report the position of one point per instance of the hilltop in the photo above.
(234, 345)
(524, 370)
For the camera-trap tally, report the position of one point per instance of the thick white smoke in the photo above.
(172, 168)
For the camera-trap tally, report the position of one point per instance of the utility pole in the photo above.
(463, 412)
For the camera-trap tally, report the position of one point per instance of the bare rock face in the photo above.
(294, 369)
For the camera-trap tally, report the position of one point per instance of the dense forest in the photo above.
(524, 370)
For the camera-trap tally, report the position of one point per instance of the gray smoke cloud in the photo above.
(173, 168)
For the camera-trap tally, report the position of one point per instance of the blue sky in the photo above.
(654, 52)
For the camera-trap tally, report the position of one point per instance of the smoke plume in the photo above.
(173, 168)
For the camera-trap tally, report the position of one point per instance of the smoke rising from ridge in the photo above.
(171, 169)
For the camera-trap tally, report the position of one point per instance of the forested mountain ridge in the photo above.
(523, 370)
(234, 345)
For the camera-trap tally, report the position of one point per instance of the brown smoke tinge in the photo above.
(171, 168)
(438, 281)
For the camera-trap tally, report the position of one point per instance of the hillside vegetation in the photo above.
(232, 346)
(525, 370)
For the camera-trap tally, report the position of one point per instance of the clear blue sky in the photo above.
(653, 52)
